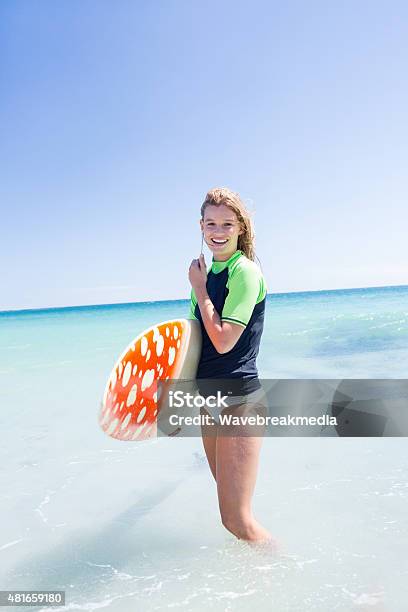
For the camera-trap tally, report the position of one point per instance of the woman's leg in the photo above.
(210, 444)
(236, 469)
(233, 461)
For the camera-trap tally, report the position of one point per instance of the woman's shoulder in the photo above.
(243, 265)
(246, 272)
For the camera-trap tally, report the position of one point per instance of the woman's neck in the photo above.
(224, 257)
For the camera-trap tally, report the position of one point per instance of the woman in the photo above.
(229, 302)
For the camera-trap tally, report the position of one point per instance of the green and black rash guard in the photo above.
(237, 289)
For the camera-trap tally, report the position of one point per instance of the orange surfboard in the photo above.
(168, 350)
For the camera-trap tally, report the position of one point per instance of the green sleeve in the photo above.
(193, 303)
(246, 289)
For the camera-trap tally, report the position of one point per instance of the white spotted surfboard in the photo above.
(168, 350)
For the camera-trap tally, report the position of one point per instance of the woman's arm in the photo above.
(223, 335)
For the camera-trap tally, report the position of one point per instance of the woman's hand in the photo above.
(197, 274)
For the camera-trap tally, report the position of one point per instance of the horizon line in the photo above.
(280, 293)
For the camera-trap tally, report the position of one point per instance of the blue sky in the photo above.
(117, 117)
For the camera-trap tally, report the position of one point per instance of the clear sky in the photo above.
(118, 116)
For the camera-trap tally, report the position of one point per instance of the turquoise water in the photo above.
(135, 525)
(346, 333)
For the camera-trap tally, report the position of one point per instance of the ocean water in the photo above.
(135, 526)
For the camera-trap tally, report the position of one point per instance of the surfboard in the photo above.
(166, 351)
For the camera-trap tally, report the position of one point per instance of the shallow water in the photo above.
(135, 526)
(139, 528)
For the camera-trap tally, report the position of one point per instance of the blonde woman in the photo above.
(229, 303)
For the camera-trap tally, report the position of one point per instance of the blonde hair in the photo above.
(223, 195)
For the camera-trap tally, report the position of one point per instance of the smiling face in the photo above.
(221, 230)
